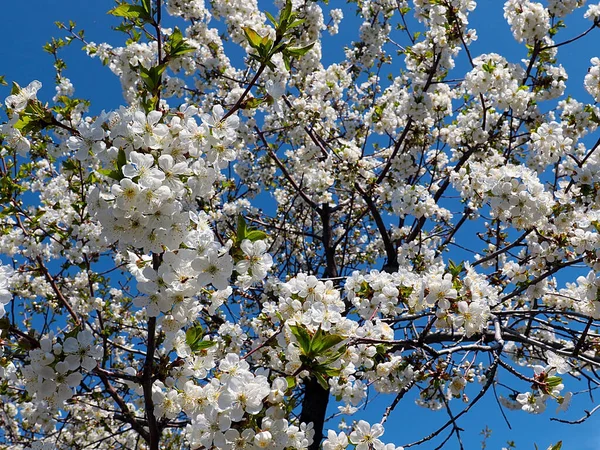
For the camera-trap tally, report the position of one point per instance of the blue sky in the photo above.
(30, 24)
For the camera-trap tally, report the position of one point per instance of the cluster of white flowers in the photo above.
(593, 12)
(417, 201)
(6, 273)
(529, 21)
(562, 8)
(548, 144)
(592, 79)
(515, 193)
(17, 103)
(336, 18)
(364, 436)
(547, 385)
(235, 396)
(55, 369)
(499, 81)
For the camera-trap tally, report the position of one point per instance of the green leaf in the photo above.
(24, 124)
(252, 102)
(114, 174)
(334, 357)
(254, 39)
(488, 67)
(286, 12)
(321, 380)
(183, 50)
(202, 345)
(455, 269)
(554, 381)
(299, 51)
(70, 165)
(302, 336)
(73, 333)
(332, 371)
(557, 446)
(322, 343)
(15, 89)
(256, 235)
(147, 5)
(271, 18)
(194, 338)
(121, 159)
(241, 229)
(291, 382)
(130, 12)
(3, 80)
(151, 77)
(296, 23)
(193, 334)
(176, 37)
(147, 78)
(177, 45)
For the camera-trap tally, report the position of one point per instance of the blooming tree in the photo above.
(256, 241)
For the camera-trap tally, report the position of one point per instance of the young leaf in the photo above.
(131, 12)
(121, 159)
(147, 78)
(147, 5)
(296, 23)
(241, 229)
(176, 44)
(299, 51)
(176, 37)
(252, 102)
(271, 18)
(15, 89)
(286, 13)
(182, 50)
(302, 337)
(324, 343)
(291, 382)
(321, 380)
(202, 345)
(256, 235)
(254, 39)
(191, 336)
(114, 174)
(151, 77)
(554, 381)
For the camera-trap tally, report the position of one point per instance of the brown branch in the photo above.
(127, 415)
(502, 250)
(147, 381)
(583, 336)
(330, 264)
(539, 278)
(489, 381)
(57, 291)
(391, 264)
(588, 414)
(148, 376)
(285, 172)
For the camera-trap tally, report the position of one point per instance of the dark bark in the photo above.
(314, 407)
(330, 267)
